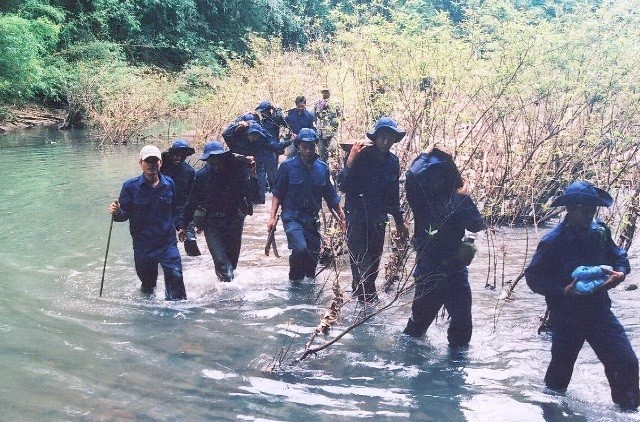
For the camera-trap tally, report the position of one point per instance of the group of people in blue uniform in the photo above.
(217, 198)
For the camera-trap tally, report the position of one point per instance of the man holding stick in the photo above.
(148, 202)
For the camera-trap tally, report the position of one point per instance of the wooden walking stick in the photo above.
(104, 268)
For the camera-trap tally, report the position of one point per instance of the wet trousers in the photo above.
(271, 168)
(304, 240)
(609, 341)
(261, 172)
(365, 242)
(224, 239)
(431, 292)
(168, 258)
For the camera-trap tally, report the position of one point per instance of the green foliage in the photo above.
(27, 67)
(34, 9)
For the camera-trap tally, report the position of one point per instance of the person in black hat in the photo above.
(175, 166)
(147, 201)
(442, 212)
(221, 197)
(246, 137)
(370, 180)
(271, 120)
(302, 182)
(579, 240)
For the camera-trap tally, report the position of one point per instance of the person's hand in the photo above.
(253, 168)
(464, 189)
(114, 207)
(356, 149)
(570, 290)
(242, 125)
(272, 223)
(182, 235)
(614, 279)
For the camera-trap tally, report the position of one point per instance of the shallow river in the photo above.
(67, 354)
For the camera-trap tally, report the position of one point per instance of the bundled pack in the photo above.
(590, 277)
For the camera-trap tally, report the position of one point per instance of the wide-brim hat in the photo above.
(583, 193)
(306, 135)
(213, 148)
(386, 123)
(264, 105)
(254, 127)
(182, 145)
(249, 117)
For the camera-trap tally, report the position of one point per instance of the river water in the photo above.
(67, 354)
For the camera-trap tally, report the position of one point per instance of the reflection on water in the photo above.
(69, 355)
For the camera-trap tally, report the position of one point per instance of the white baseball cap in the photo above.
(150, 151)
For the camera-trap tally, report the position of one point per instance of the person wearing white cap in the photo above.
(148, 202)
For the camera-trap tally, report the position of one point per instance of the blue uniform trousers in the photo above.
(608, 340)
(224, 239)
(431, 292)
(304, 240)
(365, 242)
(271, 167)
(147, 269)
(261, 173)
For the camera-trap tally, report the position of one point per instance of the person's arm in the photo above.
(347, 177)
(542, 274)
(619, 260)
(473, 219)
(393, 198)
(273, 145)
(251, 188)
(275, 204)
(229, 133)
(121, 208)
(195, 197)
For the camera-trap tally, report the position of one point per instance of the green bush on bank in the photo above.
(28, 66)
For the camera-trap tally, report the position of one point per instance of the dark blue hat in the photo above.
(386, 123)
(425, 162)
(254, 127)
(583, 193)
(182, 145)
(213, 148)
(264, 105)
(249, 117)
(306, 135)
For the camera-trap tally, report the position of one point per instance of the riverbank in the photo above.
(26, 117)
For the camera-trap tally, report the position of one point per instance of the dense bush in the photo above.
(28, 68)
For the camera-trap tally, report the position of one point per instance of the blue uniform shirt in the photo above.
(272, 126)
(372, 188)
(223, 193)
(300, 189)
(182, 176)
(152, 212)
(238, 142)
(559, 253)
(297, 120)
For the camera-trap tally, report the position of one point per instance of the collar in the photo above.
(142, 181)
